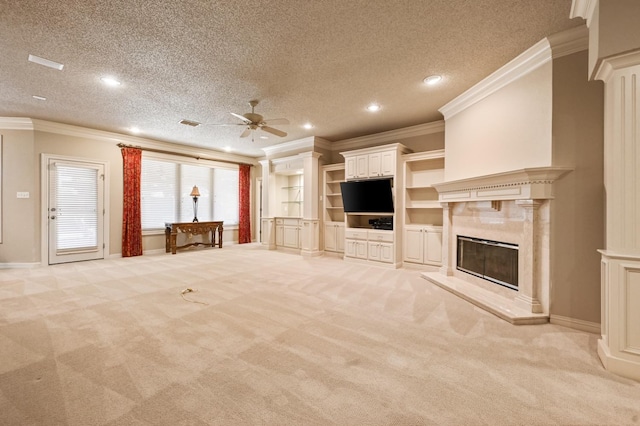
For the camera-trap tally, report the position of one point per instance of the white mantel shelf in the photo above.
(524, 184)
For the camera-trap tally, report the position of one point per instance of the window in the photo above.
(166, 186)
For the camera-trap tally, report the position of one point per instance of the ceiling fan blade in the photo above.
(274, 131)
(243, 118)
(277, 121)
(246, 133)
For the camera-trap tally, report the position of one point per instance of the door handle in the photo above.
(52, 217)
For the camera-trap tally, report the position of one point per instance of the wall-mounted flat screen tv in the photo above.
(367, 196)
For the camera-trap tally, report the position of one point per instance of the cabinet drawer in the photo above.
(355, 234)
(381, 236)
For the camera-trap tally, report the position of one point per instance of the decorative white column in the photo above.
(310, 237)
(448, 247)
(267, 223)
(619, 347)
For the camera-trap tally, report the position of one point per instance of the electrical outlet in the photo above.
(22, 194)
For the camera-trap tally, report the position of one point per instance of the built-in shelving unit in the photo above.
(333, 211)
(291, 195)
(422, 234)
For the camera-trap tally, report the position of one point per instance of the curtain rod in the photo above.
(162, 151)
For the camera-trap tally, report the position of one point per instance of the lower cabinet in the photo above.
(288, 233)
(423, 244)
(334, 236)
(371, 245)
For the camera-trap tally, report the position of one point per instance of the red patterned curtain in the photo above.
(131, 217)
(244, 227)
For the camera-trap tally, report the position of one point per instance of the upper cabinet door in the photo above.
(387, 163)
(351, 171)
(375, 165)
(362, 166)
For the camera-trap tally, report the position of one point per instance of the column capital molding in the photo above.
(609, 65)
(529, 204)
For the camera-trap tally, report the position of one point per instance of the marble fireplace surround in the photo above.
(512, 207)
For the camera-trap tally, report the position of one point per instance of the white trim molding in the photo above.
(523, 184)
(306, 143)
(16, 123)
(555, 46)
(389, 136)
(583, 9)
(576, 324)
(609, 65)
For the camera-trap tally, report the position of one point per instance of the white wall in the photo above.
(508, 130)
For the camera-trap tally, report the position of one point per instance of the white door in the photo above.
(413, 245)
(75, 210)
(330, 237)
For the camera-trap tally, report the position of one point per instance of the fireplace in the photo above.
(493, 261)
(479, 213)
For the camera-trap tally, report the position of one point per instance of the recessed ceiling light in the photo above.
(134, 130)
(109, 81)
(432, 80)
(40, 98)
(264, 137)
(373, 108)
(308, 126)
(46, 62)
(227, 148)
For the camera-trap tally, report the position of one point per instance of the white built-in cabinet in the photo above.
(422, 211)
(423, 244)
(287, 232)
(370, 165)
(362, 241)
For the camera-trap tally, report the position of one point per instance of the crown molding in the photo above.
(555, 46)
(389, 136)
(16, 123)
(309, 143)
(570, 41)
(115, 138)
(530, 60)
(583, 9)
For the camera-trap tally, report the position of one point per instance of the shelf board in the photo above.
(335, 208)
(335, 181)
(334, 195)
(420, 187)
(425, 205)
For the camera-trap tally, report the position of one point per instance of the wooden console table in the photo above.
(195, 228)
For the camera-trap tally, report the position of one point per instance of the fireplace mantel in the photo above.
(524, 184)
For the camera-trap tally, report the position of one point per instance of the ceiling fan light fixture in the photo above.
(432, 80)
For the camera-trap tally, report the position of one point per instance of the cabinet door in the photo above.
(280, 235)
(375, 165)
(433, 247)
(340, 237)
(374, 251)
(386, 252)
(388, 163)
(413, 245)
(362, 166)
(361, 250)
(351, 170)
(291, 237)
(350, 248)
(330, 241)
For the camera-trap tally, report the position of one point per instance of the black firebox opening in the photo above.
(492, 260)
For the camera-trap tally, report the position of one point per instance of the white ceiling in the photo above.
(318, 61)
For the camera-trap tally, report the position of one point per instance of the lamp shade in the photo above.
(195, 192)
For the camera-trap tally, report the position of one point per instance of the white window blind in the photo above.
(158, 188)
(76, 207)
(166, 187)
(225, 195)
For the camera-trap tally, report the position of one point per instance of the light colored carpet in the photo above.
(282, 340)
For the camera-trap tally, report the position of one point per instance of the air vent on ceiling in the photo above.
(189, 123)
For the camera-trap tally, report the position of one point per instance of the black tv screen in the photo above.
(367, 196)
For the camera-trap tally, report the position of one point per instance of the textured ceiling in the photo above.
(321, 61)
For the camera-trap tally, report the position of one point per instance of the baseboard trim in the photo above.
(576, 324)
(20, 265)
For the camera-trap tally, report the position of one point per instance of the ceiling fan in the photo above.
(254, 121)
